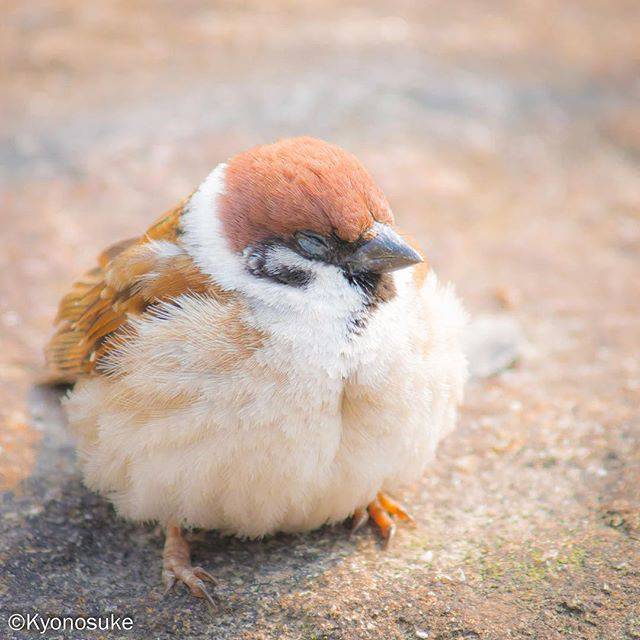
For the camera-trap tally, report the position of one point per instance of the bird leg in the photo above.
(176, 566)
(384, 511)
(359, 519)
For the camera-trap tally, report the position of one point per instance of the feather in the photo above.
(133, 276)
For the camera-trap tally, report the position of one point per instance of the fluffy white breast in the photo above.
(299, 429)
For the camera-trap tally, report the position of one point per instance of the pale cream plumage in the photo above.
(213, 397)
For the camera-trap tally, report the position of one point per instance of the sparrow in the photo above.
(271, 355)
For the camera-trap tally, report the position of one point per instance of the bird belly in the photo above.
(279, 464)
(264, 441)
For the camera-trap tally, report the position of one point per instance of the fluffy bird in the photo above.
(271, 355)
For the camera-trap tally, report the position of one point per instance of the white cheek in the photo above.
(320, 312)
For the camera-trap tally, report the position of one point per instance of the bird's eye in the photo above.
(312, 244)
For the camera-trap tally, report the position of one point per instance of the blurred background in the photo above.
(506, 136)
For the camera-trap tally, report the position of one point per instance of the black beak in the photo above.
(387, 251)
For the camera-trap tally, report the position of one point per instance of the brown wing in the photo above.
(132, 276)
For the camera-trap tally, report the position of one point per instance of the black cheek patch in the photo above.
(292, 277)
(259, 266)
(377, 289)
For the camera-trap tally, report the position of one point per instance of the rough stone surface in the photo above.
(507, 139)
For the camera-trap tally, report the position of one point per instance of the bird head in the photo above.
(299, 214)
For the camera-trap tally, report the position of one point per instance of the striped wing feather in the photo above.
(131, 277)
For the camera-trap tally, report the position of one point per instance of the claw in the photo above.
(205, 575)
(381, 511)
(360, 518)
(169, 581)
(177, 568)
(199, 590)
(395, 508)
(388, 536)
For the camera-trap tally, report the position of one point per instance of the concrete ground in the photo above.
(507, 138)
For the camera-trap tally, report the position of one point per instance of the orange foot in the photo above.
(176, 567)
(383, 511)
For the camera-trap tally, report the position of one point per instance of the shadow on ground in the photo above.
(68, 553)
